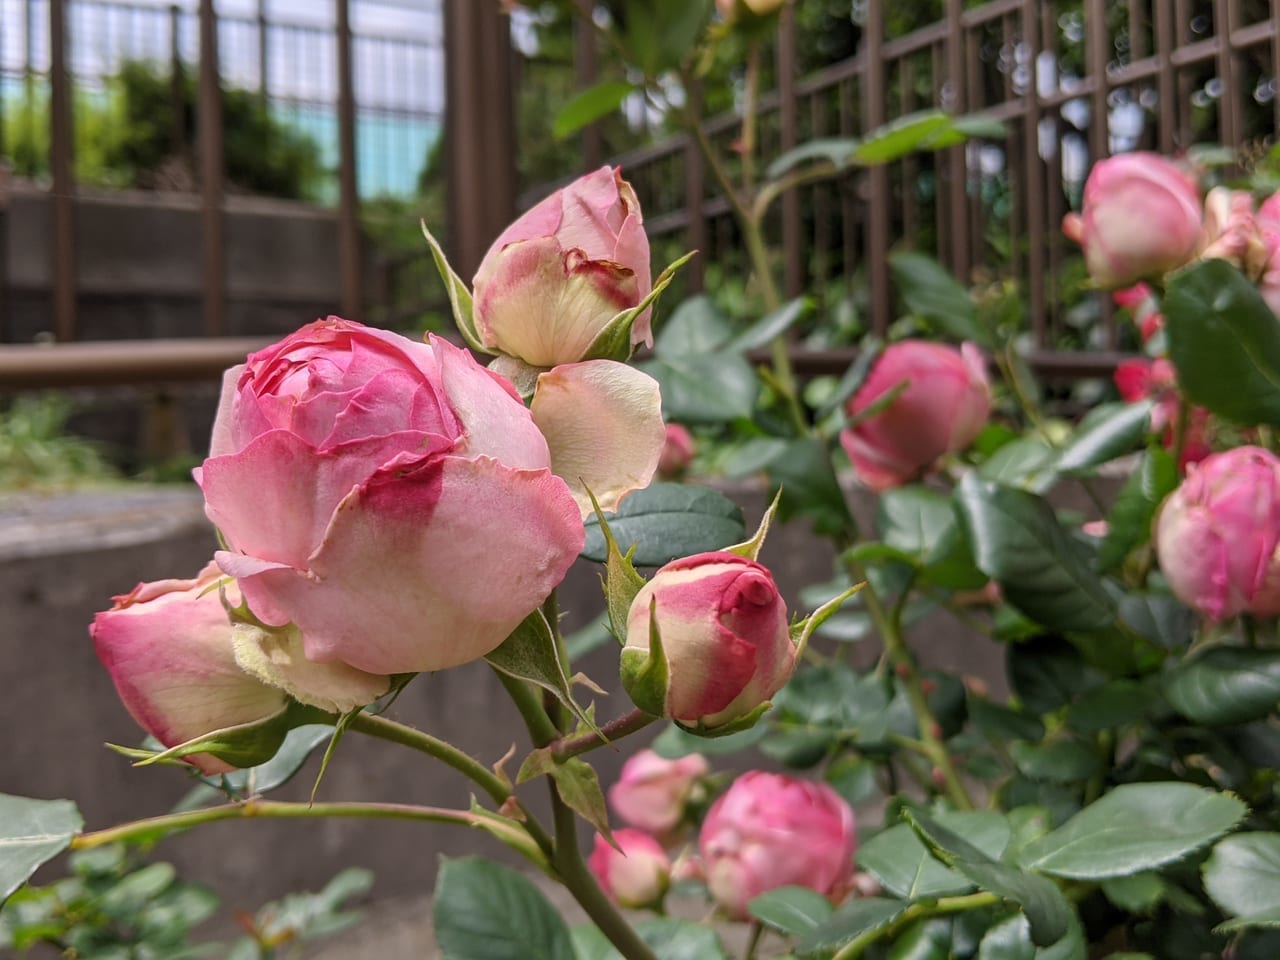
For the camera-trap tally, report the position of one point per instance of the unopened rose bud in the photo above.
(942, 406)
(677, 451)
(1232, 232)
(167, 646)
(1141, 218)
(1217, 535)
(769, 831)
(652, 792)
(555, 278)
(724, 635)
(637, 874)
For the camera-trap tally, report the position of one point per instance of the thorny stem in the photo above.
(757, 934)
(625, 725)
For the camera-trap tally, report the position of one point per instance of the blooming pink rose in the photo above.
(1216, 535)
(677, 451)
(942, 407)
(635, 876)
(167, 646)
(391, 499)
(1231, 231)
(1141, 218)
(556, 277)
(652, 792)
(724, 633)
(769, 831)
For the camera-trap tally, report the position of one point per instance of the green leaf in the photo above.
(670, 938)
(795, 911)
(1159, 618)
(1224, 341)
(530, 654)
(674, 742)
(459, 295)
(1135, 893)
(1048, 674)
(579, 788)
(696, 326)
(1117, 704)
(589, 106)
(1242, 875)
(931, 292)
(1129, 523)
(852, 920)
(898, 858)
(668, 520)
(1017, 540)
(1026, 462)
(869, 350)
(1000, 724)
(926, 939)
(922, 522)
(1225, 685)
(915, 131)
(810, 488)
(1008, 940)
(1062, 761)
(32, 832)
(837, 151)
(485, 911)
(705, 388)
(1047, 910)
(1135, 827)
(1109, 432)
(772, 325)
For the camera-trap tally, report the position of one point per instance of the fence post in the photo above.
(695, 192)
(177, 85)
(263, 79)
(209, 109)
(793, 255)
(6, 329)
(873, 113)
(348, 194)
(586, 69)
(957, 199)
(479, 129)
(61, 148)
(1033, 189)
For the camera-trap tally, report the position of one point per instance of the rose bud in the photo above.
(1231, 232)
(555, 278)
(652, 792)
(725, 644)
(167, 646)
(1141, 218)
(635, 876)
(769, 831)
(392, 500)
(677, 451)
(1216, 535)
(943, 404)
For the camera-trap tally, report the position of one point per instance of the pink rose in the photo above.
(677, 451)
(652, 792)
(1216, 535)
(724, 633)
(942, 407)
(1143, 308)
(769, 831)
(1140, 379)
(1231, 232)
(635, 876)
(167, 646)
(556, 277)
(1141, 219)
(390, 499)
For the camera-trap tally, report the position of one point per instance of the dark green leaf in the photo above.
(1017, 540)
(670, 939)
(1110, 432)
(705, 388)
(834, 150)
(673, 742)
(1224, 341)
(1117, 704)
(1061, 761)
(793, 910)
(589, 106)
(931, 292)
(31, 833)
(530, 654)
(1136, 893)
(915, 131)
(772, 325)
(1135, 827)
(852, 920)
(1001, 724)
(810, 488)
(899, 860)
(1242, 875)
(485, 911)
(1225, 685)
(1026, 463)
(1158, 618)
(1008, 940)
(1129, 523)
(696, 326)
(669, 520)
(1047, 674)
(869, 350)
(579, 788)
(929, 939)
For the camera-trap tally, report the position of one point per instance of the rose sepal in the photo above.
(645, 675)
(751, 548)
(621, 579)
(613, 342)
(802, 630)
(460, 300)
(737, 725)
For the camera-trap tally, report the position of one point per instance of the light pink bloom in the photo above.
(1269, 273)
(652, 792)
(1143, 307)
(391, 499)
(943, 406)
(677, 451)
(1216, 536)
(636, 876)
(1141, 218)
(769, 831)
(1231, 232)
(724, 633)
(553, 279)
(167, 646)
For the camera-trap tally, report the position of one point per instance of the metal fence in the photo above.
(1072, 82)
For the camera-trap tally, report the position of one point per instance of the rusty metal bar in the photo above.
(99, 363)
(1097, 44)
(1165, 80)
(264, 78)
(209, 108)
(873, 115)
(177, 93)
(695, 197)
(792, 254)
(348, 195)
(62, 150)
(957, 201)
(1033, 180)
(586, 68)
(6, 331)
(1224, 21)
(848, 207)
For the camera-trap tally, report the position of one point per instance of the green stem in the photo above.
(751, 103)
(858, 945)
(614, 730)
(757, 934)
(270, 809)
(541, 730)
(899, 654)
(573, 873)
(1029, 407)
